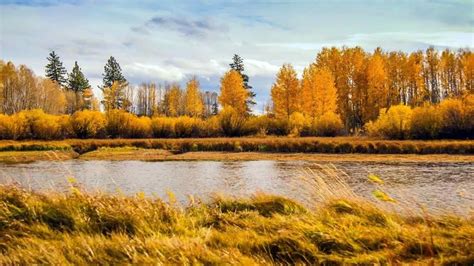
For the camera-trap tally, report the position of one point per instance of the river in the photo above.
(440, 186)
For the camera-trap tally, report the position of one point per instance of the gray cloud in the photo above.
(187, 27)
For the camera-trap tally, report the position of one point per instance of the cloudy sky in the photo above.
(169, 41)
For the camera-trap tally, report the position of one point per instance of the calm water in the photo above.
(444, 186)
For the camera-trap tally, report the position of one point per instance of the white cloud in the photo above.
(153, 72)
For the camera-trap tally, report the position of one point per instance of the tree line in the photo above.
(345, 90)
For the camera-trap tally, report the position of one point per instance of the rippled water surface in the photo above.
(437, 185)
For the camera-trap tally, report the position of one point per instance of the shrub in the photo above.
(457, 117)
(296, 123)
(118, 123)
(257, 125)
(12, 127)
(328, 125)
(231, 122)
(41, 125)
(186, 126)
(425, 122)
(88, 124)
(211, 127)
(140, 127)
(162, 127)
(394, 123)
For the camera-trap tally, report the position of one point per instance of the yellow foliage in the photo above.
(163, 127)
(394, 123)
(41, 125)
(231, 121)
(425, 122)
(140, 127)
(286, 92)
(186, 126)
(88, 124)
(328, 125)
(297, 122)
(457, 116)
(233, 93)
(194, 105)
(319, 94)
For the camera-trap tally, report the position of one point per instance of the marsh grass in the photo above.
(335, 227)
(337, 145)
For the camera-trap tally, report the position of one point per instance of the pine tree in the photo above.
(112, 73)
(55, 70)
(238, 65)
(77, 82)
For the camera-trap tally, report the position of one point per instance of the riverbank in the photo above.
(81, 228)
(337, 145)
(137, 154)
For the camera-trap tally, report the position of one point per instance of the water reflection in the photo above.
(436, 185)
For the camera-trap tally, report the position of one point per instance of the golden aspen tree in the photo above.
(377, 87)
(318, 92)
(286, 92)
(431, 74)
(417, 93)
(447, 68)
(467, 70)
(233, 92)
(194, 105)
(172, 101)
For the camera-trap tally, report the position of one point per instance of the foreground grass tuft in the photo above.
(81, 228)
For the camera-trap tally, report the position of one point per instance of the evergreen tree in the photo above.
(55, 70)
(238, 65)
(77, 82)
(112, 73)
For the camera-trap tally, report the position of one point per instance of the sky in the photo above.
(172, 41)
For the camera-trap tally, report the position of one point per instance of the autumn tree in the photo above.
(233, 92)
(77, 83)
(55, 69)
(194, 105)
(238, 65)
(20, 89)
(173, 101)
(377, 87)
(318, 92)
(286, 92)
(115, 97)
(431, 74)
(148, 97)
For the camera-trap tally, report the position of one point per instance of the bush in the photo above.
(41, 125)
(13, 127)
(186, 126)
(296, 123)
(257, 125)
(457, 117)
(140, 127)
(328, 125)
(393, 124)
(425, 122)
(88, 124)
(118, 123)
(231, 122)
(162, 127)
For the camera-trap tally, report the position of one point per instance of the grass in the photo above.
(335, 227)
(338, 145)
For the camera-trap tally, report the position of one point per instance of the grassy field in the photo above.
(337, 145)
(79, 228)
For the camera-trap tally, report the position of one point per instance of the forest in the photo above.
(345, 91)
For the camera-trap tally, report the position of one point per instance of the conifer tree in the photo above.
(55, 70)
(112, 73)
(238, 65)
(77, 82)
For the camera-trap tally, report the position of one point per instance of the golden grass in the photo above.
(336, 227)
